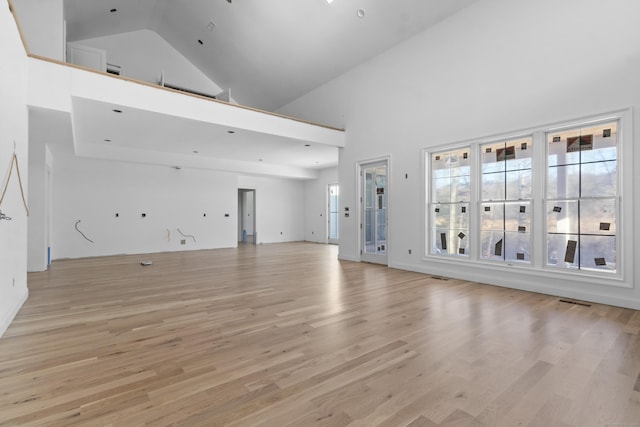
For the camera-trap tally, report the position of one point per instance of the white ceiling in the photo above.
(268, 52)
(164, 136)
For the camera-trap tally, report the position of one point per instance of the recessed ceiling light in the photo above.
(307, 145)
(113, 10)
(195, 151)
(329, 1)
(259, 160)
(231, 131)
(107, 140)
(360, 13)
(115, 110)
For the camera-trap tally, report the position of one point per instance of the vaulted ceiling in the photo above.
(269, 52)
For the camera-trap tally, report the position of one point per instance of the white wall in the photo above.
(45, 127)
(498, 66)
(144, 55)
(316, 212)
(279, 208)
(42, 25)
(93, 191)
(38, 219)
(13, 129)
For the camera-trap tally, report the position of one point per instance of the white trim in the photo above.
(344, 257)
(486, 275)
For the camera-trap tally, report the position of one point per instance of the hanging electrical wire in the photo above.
(14, 161)
(83, 235)
(186, 235)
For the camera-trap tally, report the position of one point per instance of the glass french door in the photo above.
(374, 212)
(334, 213)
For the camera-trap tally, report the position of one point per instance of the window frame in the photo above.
(470, 203)
(617, 198)
(537, 267)
(482, 202)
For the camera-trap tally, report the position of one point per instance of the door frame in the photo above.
(328, 230)
(360, 166)
(242, 212)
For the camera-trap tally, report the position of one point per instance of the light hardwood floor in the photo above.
(287, 335)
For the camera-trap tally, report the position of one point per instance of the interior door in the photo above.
(87, 56)
(375, 193)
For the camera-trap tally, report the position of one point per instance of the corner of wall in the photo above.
(9, 315)
(13, 142)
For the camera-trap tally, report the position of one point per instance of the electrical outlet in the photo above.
(183, 242)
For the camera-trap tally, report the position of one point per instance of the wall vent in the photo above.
(566, 301)
(114, 69)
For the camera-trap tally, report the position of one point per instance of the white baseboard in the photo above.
(529, 284)
(343, 257)
(6, 320)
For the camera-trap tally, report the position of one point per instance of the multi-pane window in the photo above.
(550, 199)
(582, 197)
(450, 202)
(505, 200)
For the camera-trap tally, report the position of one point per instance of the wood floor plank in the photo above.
(421, 421)
(286, 334)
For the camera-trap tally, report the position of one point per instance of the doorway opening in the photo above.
(48, 208)
(247, 216)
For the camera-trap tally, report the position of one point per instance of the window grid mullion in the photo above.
(582, 178)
